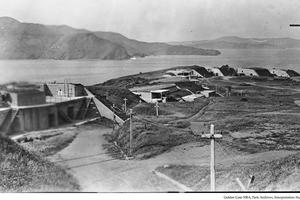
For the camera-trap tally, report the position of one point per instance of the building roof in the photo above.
(202, 71)
(158, 91)
(191, 86)
(262, 71)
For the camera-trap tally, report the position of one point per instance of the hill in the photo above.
(35, 41)
(233, 42)
(23, 171)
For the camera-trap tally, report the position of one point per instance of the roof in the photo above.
(202, 70)
(192, 86)
(262, 71)
(158, 91)
(149, 88)
(27, 91)
(292, 73)
(178, 93)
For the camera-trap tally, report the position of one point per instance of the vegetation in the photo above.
(47, 146)
(271, 175)
(23, 171)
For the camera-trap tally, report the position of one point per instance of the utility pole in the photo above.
(156, 108)
(125, 100)
(130, 132)
(212, 136)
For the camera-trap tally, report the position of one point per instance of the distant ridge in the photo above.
(36, 41)
(234, 42)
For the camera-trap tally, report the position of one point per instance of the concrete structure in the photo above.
(153, 96)
(186, 73)
(192, 97)
(209, 93)
(246, 72)
(30, 111)
(279, 72)
(27, 97)
(64, 90)
(215, 71)
(106, 110)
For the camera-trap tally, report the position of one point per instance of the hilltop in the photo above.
(36, 41)
(233, 42)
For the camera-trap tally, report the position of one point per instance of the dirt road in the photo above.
(96, 171)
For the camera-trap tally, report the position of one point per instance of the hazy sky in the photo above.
(165, 20)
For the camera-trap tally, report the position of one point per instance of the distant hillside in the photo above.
(35, 41)
(233, 42)
(137, 48)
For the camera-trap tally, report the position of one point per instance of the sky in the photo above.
(164, 20)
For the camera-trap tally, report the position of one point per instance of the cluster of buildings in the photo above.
(32, 107)
(192, 72)
(182, 83)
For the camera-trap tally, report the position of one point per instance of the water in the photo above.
(90, 72)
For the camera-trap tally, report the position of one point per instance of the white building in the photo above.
(215, 71)
(246, 72)
(152, 96)
(279, 72)
(187, 73)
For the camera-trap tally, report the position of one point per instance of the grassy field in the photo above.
(276, 175)
(23, 171)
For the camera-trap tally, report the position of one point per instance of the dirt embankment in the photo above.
(275, 175)
(22, 171)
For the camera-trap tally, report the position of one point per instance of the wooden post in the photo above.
(156, 108)
(130, 133)
(125, 100)
(212, 136)
(212, 159)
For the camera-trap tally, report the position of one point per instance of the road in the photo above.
(96, 171)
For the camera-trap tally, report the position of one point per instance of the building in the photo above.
(246, 72)
(184, 73)
(279, 73)
(215, 71)
(64, 89)
(202, 71)
(262, 72)
(29, 110)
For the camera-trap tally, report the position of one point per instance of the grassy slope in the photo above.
(271, 175)
(150, 139)
(22, 171)
(51, 145)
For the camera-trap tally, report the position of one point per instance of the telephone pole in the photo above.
(156, 108)
(212, 136)
(130, 132)
(125, 100)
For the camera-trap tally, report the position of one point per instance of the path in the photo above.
(96, 171)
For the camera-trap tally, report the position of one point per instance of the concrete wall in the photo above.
(27, 99)
(66, 90)
(75, 106)
(106, 112)
(61, 89)
(44, 117)
(37, 118)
